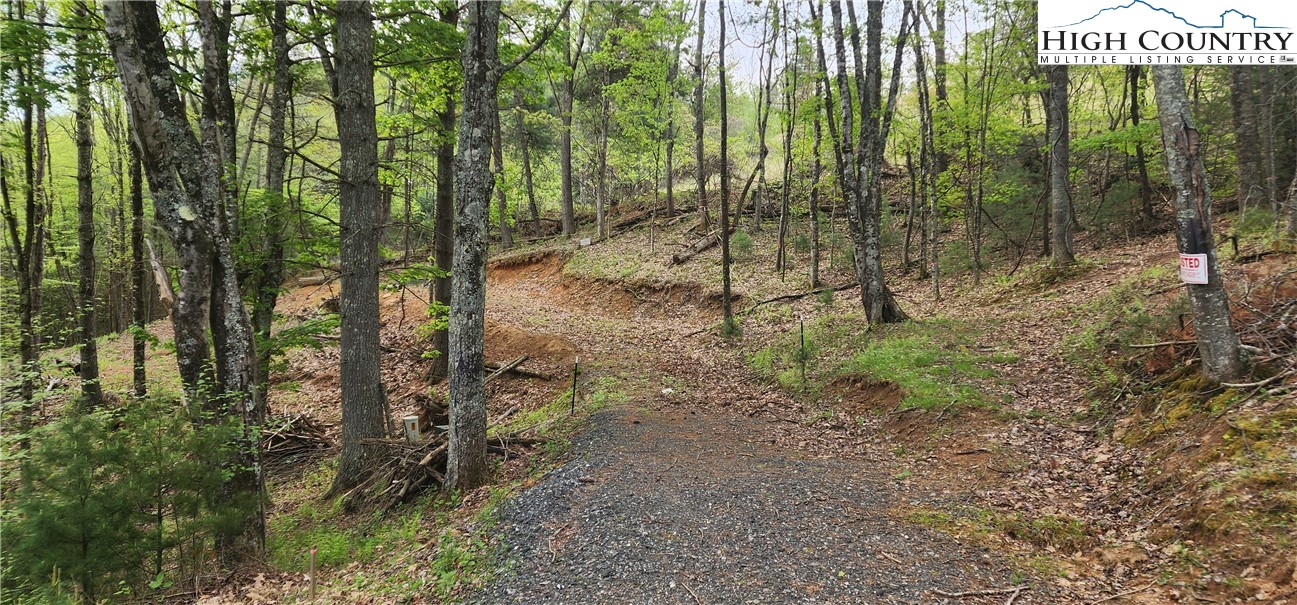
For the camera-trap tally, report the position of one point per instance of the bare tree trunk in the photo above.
(764, 101)
(1141, 164)
(827, 88)
(364, 405)
(91, 394)
(139, 276)
(573, 58)
(1059, 167)
(188, 192)
(233, 343)
(726, 297)
(1267, 89)
(466, 465)
(673, 73)
(1291, 227)
(1247, 143)
(524, 141)
(815, 195)
(910, 212)
(271, 273)
(444, 223)
(879, 304)
(601, 176)
(501, 202)
(790, 117)
(1221, 356)
(28, 245)
(699, 159)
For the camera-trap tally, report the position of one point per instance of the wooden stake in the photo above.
(313, 575)
(575, 365)
(801, 322)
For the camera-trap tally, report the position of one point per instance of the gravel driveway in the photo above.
(661, 507)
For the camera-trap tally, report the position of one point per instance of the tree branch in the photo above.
(540, 40)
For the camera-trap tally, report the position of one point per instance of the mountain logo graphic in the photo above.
(1248, 20)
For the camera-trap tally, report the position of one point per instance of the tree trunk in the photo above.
(673, 73)
(466, 463)
(790, 118)
(815, 196)
(501, 203)
(188, 191)
(1059, 168)
(1267, 88)
(92, 396)
(444, 223)
(1291, 227)
(1141, 164)
(699, 159)
(1218, 343)
(364, 406)
(139, 276)
(271, 274)
(218, 106)
(27, 245)
(1247, 142)
(524, 141)
(726, 296)
(879, 304)
(764, 101)
(573, 58)
(601, 170)
(233, 343)
(910, 212)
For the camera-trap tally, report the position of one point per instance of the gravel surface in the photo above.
(718, 489)
(660, 507)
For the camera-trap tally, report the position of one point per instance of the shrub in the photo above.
(116, 501)
(741, 245)
(802, 243)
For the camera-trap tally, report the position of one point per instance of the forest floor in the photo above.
(1006, 441)
(722, 479)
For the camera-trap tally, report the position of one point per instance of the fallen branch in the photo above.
(799, 295)
(505, 368)
(1168, 343)
(520, 371)
(1123, 594)
(691, 593)
(696, 248)
(979, 593)
(1248, 385)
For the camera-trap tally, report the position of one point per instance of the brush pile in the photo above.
(290, 440)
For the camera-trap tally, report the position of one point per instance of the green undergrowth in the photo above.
(1050, 536)
(558, 420)
(366, 553)
(936, 363)
(314, 525)
(987, 527)
(371, 553)
(1134, 311)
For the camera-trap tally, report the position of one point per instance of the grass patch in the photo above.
(936, 362)
(338, 540)
(987, 527)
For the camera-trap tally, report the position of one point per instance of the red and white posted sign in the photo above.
(1193, 268)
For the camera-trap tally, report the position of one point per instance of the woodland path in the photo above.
(704, 486)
